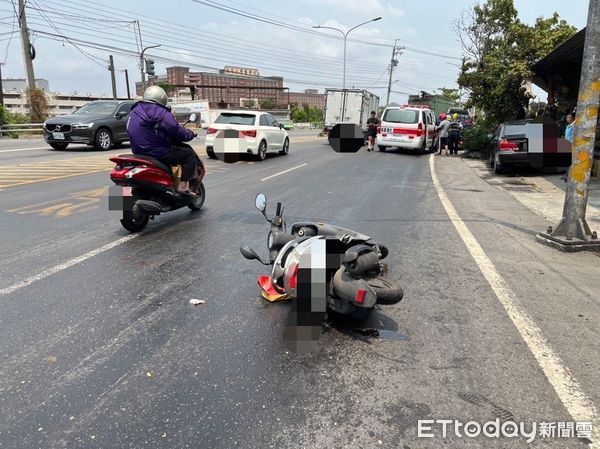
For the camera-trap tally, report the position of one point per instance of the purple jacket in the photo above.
(152, 129)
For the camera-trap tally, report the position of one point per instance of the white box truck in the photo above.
(349, 106)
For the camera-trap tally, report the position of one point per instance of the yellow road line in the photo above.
(2, 186)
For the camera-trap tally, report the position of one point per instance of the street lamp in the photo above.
(345, 34)
(142, 65)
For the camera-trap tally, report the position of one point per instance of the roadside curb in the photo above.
(535, 193)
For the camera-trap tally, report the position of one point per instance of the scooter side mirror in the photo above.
(193, 118)
(261, 202)
(249, 253)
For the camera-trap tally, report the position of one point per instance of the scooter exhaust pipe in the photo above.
(149, 207)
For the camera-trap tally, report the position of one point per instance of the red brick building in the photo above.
(231, 85)
(312, 97)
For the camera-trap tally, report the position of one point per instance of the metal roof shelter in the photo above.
(560, 71)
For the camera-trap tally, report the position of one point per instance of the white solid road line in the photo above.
(65, 265)
(577, 403)
(25, 149)
(284, 172)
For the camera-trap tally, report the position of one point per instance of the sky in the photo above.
(199, 32)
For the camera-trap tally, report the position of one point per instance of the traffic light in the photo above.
(150, 67)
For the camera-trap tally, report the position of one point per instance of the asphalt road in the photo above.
(105, 351)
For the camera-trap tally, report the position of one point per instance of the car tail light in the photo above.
(420, 130)
(250, 133)
(360, 296)
(294, 276)
(211, 130)
(505, 145)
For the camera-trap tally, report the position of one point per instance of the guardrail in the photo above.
(21, 128)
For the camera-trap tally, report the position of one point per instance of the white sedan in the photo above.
(250, 132)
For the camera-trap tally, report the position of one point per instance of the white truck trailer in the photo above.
(349, 106)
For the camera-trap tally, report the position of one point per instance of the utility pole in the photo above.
(396, 51)
(111, 67)
(1, 87)
(573, 232)
(143, 76)
(127, 83)
(26, 45)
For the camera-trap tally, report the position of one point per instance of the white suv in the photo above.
(406, 127)
(257, 133)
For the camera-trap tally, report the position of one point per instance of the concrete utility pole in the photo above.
(1, 87)
(573, 232)
(26, 45)
(143, 76)
(396, 51)
(111, 67)
(127, 83)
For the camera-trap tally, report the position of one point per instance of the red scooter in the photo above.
(149, 188)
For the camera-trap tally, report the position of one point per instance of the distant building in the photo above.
(20, 84)
(226, 89)
(311, 97)
(58, 103)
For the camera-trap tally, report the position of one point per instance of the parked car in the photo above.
(101, 123)
(529, 143)
(259, 133)
(288, 125)
(463, 116)
(406, 127)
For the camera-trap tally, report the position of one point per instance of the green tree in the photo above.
(268, 103)
(168, 87)
(450, 94)
(500, 51)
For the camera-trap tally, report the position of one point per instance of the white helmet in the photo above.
(156, 94)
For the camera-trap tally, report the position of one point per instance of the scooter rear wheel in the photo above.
(134, 221)
(197, 203)
(388, 291)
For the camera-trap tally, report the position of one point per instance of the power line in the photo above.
(230, 42)
(186, 53)
(249, 15)
(12, 32)
(173, 31)
(91, 57)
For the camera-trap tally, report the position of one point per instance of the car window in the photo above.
(401, 116)
(98, 108)
(125, 107)
(236, 119)
(264, 121)
(270, 120)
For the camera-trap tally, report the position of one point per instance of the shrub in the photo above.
(476, 140)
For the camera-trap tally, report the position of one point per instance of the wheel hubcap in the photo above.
(104, 139)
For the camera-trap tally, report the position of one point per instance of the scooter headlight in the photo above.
(270, 240)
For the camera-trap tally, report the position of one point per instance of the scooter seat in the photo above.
(154, 161)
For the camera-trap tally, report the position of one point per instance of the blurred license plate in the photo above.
(58, 136)
(126, 191)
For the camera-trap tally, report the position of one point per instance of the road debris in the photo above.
(196, 302)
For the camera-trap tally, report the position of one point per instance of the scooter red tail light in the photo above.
(360, 296)
(294, 276)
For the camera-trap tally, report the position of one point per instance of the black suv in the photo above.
(101, 123)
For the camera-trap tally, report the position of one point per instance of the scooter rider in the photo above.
(153, 131)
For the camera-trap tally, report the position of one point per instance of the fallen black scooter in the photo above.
(319, 259)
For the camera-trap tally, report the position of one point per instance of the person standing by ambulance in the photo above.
(372, 123)
(443, 130)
